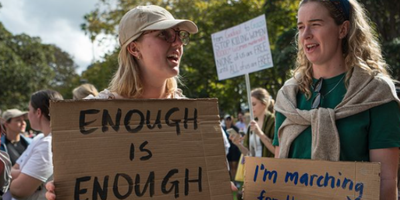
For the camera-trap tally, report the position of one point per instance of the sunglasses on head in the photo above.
(317, 89)
(169, 35)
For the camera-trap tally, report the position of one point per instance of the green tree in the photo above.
(64, 69)
(386, 18)
(100, 73)
(198, 66)
(27, 65)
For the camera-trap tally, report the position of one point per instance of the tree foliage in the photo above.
(198, 66)
(386, 18)
(27, 65)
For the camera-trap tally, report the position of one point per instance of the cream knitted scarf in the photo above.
(364, 92)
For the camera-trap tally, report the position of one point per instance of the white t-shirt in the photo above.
(36, 161)
(255, 145)
(241, 126)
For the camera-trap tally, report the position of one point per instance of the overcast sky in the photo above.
(55, 22)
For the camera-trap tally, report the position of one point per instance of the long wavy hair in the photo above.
(127, 81)
(360, 47)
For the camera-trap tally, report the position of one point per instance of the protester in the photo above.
(5, 168)
(341, 104)
(14, 142)
(152, 43)
(84, 90)
(240, 123)
(151, 49)
(258, 140)
(233, 152)
(5, 172)
(34, 168)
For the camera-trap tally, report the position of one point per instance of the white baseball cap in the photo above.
(151, 17)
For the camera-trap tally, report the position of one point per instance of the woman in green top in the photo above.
(341, 103)
(258, 140)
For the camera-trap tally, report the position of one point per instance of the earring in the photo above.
(138, 55)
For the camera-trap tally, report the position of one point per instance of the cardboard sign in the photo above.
(295, 179)
(242, 49)
(138, 149)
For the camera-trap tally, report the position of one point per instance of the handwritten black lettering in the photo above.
(128, 118)
(176, 124)
(78, 191)
(115, 187)
(106, 119)
(150, 181)
(156, 123)
(142, 149)
(198, 180)
(83, 123)
(98, 190)
(175, 184)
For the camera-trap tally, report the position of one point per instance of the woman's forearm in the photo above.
(388, 189)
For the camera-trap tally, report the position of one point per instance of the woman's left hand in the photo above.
(255, 128)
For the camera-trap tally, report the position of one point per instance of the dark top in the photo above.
(16, 149)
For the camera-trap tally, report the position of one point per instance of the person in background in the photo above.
(35, 167)
(152, 42)
(240, 123)
(341, 93)
(5, 167)
(258, 140)
(84, 90)
(5, 173)
(14, 142)
(233, 153)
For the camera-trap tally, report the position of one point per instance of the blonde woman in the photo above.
(84, 90)
(258, 140)
(152, 43)
(341, 93)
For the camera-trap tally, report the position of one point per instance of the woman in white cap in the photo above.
(152, 43)
(14, 141)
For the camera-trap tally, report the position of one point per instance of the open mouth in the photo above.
(173, 58)
(311, 47)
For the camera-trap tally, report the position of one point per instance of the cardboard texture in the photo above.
(115, 149)
(275, 179)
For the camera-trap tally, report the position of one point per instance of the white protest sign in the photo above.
(242, 49)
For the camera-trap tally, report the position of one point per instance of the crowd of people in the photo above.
(340, 95)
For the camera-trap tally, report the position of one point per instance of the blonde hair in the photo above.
(360, 47)
(262, 95)
(127, 81)
(84, 90)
